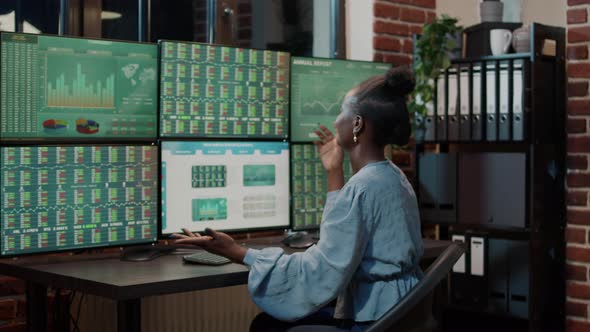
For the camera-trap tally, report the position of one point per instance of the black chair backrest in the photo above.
(436, 272)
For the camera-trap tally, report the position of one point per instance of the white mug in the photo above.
(500, 40)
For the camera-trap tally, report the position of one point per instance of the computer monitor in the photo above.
(309, 186)
(62, 88)
(67, 197)
(224, 185)
(318, 87)
(218, 91)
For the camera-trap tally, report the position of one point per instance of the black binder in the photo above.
(505, 119)
(518, 104)
(441, 107)
(453, 105)
(464, 106)
(492, 100)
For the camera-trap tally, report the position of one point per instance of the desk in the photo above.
(127, 282)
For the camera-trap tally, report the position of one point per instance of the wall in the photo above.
(550, 12)
(359, 28)
(578, 178)
(396, 21)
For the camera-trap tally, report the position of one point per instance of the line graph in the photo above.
(318, 90)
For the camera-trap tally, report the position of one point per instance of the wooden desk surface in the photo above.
(107, 276)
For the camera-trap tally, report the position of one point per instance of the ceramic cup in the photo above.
(500, 40)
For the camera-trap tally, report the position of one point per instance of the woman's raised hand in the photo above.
(330, 152)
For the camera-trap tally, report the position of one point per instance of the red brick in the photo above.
(408, 46)
(579, 52)
(577, 89)
(578, 106)
(14, 327)
(578, 180)
(425, 3)
(430, 16)
(577, 162)
(245, 21)
(408, 171)
(412, 15)
(378, 57)
(577, 326)
(7, 309)
(578, 255)
(418, 3)
(391, 28)
(578, 217)
(581, 70)
(387, 43)
(577, 16)
(578, 290)
(199, 14)
(578, 144)
(405, 2)
(397, 59)
(244, 8)
(21, 308)
(576, 272)
(415, 29)
(402, 158)
(386, 11)
(577, 2)
(245, 34)
(576, 35)
(575, 235)
(576, 126)
(576, 309)
(577, 198)
(11, 286)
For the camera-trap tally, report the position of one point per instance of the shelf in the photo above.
(508, 56)
(504, 232)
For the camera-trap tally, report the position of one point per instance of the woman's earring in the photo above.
(354, 138)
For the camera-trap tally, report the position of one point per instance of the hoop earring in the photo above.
(354, 138)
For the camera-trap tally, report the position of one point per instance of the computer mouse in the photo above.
(299, 241)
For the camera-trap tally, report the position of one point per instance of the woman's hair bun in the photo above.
(400, 80)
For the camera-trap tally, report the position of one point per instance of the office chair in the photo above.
(436, 272)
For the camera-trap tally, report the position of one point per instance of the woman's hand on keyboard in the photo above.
(216, 242)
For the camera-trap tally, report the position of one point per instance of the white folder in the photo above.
(477, 253)
(459, 266)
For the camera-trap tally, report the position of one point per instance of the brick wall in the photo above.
(12, 308)
(577, 234)
(244, 23)
(395, 23)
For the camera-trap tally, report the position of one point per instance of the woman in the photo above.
(370, 243)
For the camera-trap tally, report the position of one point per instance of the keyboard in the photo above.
(205, 258)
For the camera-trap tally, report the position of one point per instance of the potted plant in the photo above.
(433, 51)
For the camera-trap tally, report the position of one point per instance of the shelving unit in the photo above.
(491, 170)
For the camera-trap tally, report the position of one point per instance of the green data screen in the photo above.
(309, 186)
(216, 91)
(318, 90)
(73, 197)
(56, 87)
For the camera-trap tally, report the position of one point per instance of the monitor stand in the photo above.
(144, 253)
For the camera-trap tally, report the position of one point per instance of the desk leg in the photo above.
(129, 315)
(36, 307)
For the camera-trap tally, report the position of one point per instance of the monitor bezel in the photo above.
(220, 137)
(164, 236)
(89, 140)
(152, 241)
